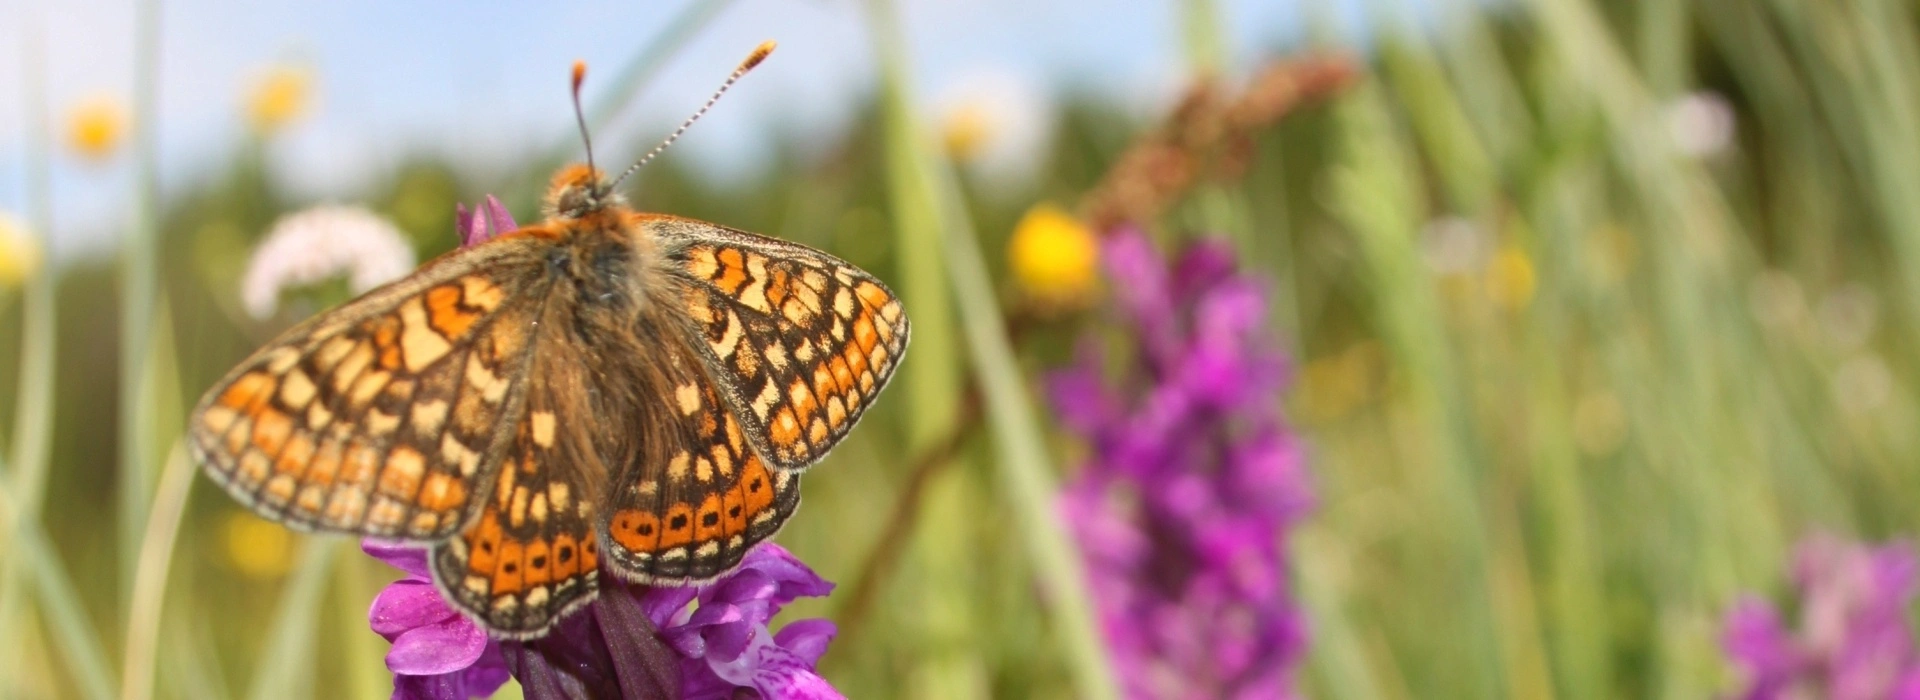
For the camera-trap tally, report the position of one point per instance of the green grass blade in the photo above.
(284, 669)
(1022, 463)
(139, 291)
(34, 403)
(150, 577)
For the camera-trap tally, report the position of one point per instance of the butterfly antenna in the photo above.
(580, 76)
(753, 59)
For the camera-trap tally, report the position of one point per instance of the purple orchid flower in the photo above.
(1193, 480)
(1854, 640)
(707, 642)
(489, 218)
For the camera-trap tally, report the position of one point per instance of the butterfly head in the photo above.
(578, 190)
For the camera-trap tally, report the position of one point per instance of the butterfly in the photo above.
(604, 389)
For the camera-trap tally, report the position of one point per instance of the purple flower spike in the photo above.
(486, 221)
(1193, 481)
(1853, 641)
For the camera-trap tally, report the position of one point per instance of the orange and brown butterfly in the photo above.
(605, 389)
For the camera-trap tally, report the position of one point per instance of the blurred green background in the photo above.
(1596, 309)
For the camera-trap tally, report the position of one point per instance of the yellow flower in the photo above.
(258, 548)
(1510, 278)
(967, 130)
(96, 126)
(279, 97)
(19, 252)
(1053, 256)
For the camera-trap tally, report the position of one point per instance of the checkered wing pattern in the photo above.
(799, 342)
(695, 496)
(382, 417)
(532, 555)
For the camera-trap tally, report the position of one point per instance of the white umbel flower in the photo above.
(1701, 124)
(321, 243)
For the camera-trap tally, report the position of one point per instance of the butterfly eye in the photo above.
(576, 200)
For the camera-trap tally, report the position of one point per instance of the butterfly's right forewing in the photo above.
(386, 416)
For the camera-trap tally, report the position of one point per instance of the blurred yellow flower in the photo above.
(19, 251)
(966, 132)
(279, 97)
(258, 548)
(1510, 278)
(1053, 256)
(96, 126)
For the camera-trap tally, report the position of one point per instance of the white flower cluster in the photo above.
(320, 243)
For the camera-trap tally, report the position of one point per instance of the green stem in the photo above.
(286, 666)
(150, 579)
(139, 291)
(34, 404)
(1023, 465)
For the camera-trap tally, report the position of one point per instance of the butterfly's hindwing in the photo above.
(800, 342)
(380, 417)
(696, 496)
(531, 556)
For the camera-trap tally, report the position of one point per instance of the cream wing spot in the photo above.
(452, 451)
(332, 352)
(351, 366)
(763, 403)
(282, 359)
(730, 340)
(429, 417)
(367, 387)
(217, 419)
(479, 293)
(381, 423)
(318, 416)
(777, 356)
(386, 513)
(296, 389)
(517, 512)
(688, 396)
(542, 425)
(420, 344)
(843, 303)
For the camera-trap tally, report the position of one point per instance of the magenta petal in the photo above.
(796, 579)
(404, 605)
(499, 220)
(807, 639)
(442, 647)
(779, 673)
(406, 557)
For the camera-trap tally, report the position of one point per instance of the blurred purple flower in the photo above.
(1854, 640)
(489, 218)
(1193, 481)
(708, 642)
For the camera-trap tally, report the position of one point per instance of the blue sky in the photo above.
(485, 83)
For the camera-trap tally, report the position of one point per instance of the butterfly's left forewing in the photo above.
(381, 417)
